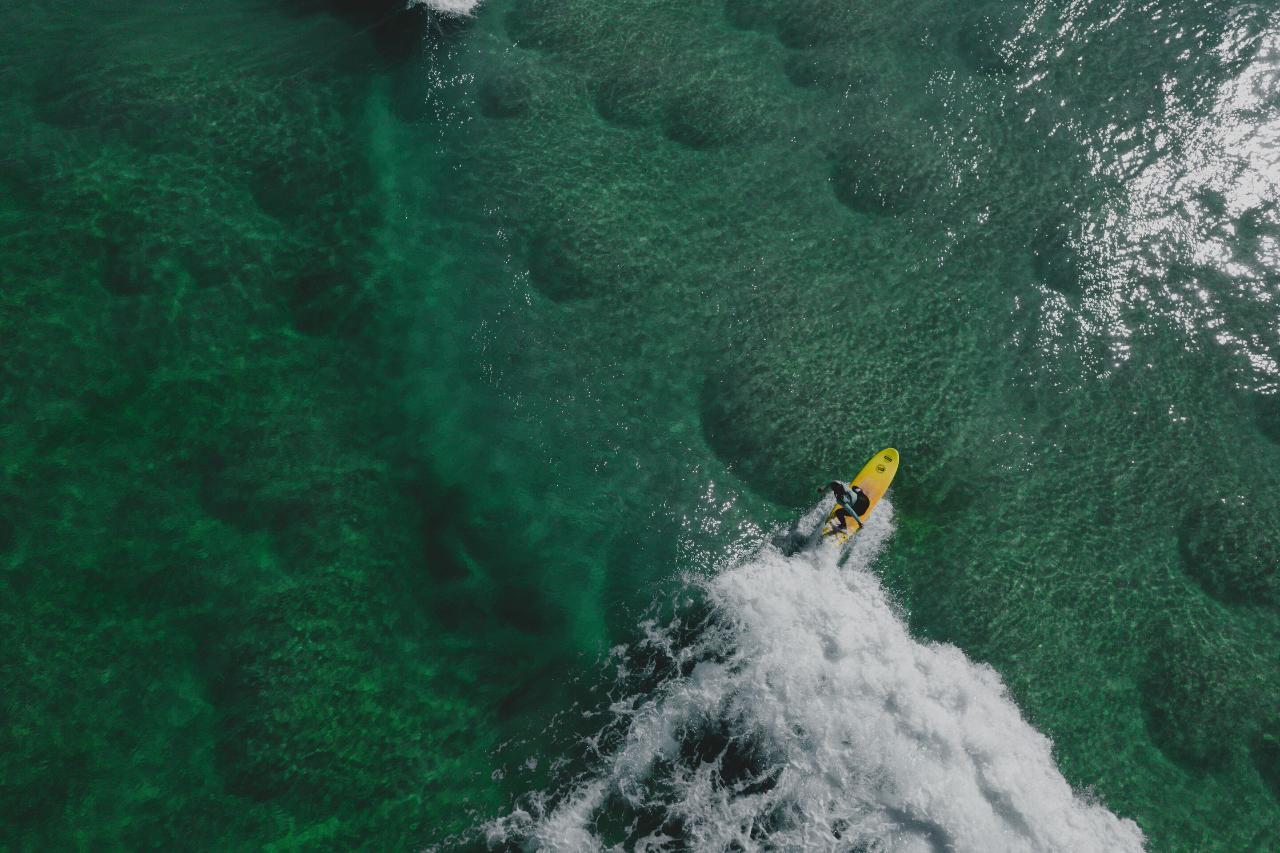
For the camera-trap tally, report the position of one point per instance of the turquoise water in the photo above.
(402, 412)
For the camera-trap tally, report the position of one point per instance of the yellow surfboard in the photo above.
(874, 480)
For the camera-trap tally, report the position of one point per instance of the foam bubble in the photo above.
(803, 715)
(448, 7)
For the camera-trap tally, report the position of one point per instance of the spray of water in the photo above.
(448, 7)
(801, 714)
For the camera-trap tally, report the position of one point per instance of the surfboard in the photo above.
(874, 480)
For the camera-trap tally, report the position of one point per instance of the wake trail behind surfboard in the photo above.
(800, 713)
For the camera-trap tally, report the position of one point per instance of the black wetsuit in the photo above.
(850, 501)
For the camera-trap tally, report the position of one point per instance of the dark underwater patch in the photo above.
(289, 188)
(504, 94)
(1230, 549)
(814, 23)
(395, 28)
(807, 70)
(1266, 409)
(438, 514)
(731, 433)
(558, 268)
(881, 173)
(986, 38)
(225, 494)
(1197, 697)
(129, 266)
(752, 14)
(834, 70)
(704, 119)
(69, 97)
(21, 180)
(545, 25)
(524, 608)
(1265, 752)
(626, 98)
(329, 301)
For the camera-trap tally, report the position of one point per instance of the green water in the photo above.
(337, 340)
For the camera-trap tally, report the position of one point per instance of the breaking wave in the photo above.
(793, 710)
(448, 7)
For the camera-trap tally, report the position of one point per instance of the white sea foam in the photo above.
(448, 7)
(804, 716)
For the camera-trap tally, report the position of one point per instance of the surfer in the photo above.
(851, 502)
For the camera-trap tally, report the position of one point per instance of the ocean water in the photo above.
(412, 414)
